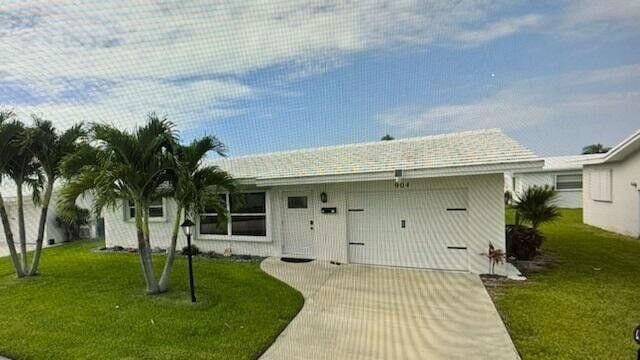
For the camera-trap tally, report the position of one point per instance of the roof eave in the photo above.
(481, 169)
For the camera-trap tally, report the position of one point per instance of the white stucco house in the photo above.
(612, 189)
(564, 173)
(429, 202)
(31, 218)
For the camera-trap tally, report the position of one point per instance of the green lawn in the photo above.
(584, 307)
(89, 305)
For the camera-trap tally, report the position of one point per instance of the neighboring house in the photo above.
(31, 218)
(564, 173)
(612, 189)
(429, 202)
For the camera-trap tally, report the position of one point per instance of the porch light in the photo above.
(323, 197)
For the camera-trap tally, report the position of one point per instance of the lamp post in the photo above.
(187, 228)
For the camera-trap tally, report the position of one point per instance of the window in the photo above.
(569, 182)
(600, 185)
(248, 216)
(156, 209)
(297, 202)
(209, 220)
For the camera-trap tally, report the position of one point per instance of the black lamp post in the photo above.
(187, 227)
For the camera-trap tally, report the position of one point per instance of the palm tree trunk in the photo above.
(163, 284)
(41, 225)
(8, 234)
(145, 251)
(21, 230)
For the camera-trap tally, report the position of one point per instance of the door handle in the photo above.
(311, 224)
(403, 223)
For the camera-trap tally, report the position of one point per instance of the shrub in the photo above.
(194, 250)
(536, 206)
(523, 242)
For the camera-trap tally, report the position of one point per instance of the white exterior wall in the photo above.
(622, 213)
(571, 199)
(31, 220)
(485, 211)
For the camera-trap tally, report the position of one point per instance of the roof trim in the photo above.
(620, 151)
(407, 174)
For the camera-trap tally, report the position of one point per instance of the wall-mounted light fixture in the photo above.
(323, 197)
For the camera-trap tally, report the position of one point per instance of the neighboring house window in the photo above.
(569, 182)
(600, 185)
(156, 209)
(248, 216)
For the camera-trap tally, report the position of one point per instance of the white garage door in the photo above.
(424, 229)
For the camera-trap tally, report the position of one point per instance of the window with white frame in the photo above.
(569, 182)
(156, 209)
(600, 185)
(248, 216)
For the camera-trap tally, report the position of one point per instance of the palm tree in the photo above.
(124, 166)
(595, 149)
(23, 169)
(536, 205)
(49, 148)
(9, 130)
(195, 187)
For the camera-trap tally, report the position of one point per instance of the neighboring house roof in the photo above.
(472, 152)
(565, 163)
(627, 147)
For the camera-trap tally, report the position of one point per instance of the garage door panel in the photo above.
(409, 228)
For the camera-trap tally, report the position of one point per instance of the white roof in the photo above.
(570, 162)
(625, 148)
(482, 151)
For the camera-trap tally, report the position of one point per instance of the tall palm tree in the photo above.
(24, 170)
(124, 166)
(9, 130)
(195, 187)
(49, 147)
(595, 149)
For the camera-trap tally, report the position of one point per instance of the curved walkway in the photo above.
(369, 312)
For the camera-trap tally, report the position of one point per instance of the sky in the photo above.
(276, 75)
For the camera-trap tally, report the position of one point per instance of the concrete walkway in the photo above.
(367, 312)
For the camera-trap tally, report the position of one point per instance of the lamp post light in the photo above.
(636, 337)
(187, 228)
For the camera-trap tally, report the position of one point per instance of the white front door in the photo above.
(298, 224)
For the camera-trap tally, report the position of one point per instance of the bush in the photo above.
(194, 250)
(536, 205)
(523, 242)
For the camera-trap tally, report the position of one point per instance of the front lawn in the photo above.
(586, 305)
(89, 305)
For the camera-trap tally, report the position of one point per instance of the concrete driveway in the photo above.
(368, 312)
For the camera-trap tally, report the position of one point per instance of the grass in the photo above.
(90, 305)
(584, 307)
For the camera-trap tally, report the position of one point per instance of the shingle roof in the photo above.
(483, 147)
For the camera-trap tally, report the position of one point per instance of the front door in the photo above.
(298, 225)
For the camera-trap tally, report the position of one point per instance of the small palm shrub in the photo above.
(536, 205)
(495, 256)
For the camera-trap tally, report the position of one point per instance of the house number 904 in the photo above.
(402, 185)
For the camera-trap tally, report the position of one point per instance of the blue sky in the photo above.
(556, 75)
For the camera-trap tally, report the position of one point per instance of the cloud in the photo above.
(499, 29)
(606, 94)
(126, 103)
(97, 60)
